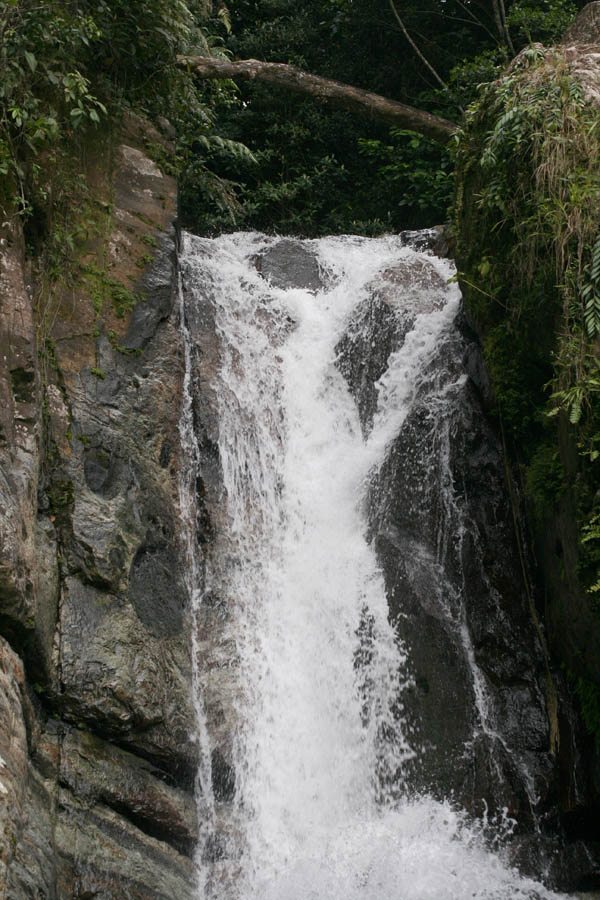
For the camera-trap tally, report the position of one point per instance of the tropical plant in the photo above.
(67, 67)
(377, 179)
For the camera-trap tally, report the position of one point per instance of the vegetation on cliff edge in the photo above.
(68, 71)
(527, 228)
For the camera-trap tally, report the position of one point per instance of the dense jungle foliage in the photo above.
(68, 69)
(323, 171)
(527, 226)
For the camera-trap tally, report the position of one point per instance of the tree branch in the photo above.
(511, 46)
(423, 59)
(324, 90)
(501, 27)
(476, 19)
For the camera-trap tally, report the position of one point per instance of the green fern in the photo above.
(590, 294)
(595, 273)
(576, 408)
(225, 18)
(234, 149)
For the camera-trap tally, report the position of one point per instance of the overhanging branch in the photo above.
(324, 90)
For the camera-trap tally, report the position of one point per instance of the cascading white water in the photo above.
(317, 673)
(189, 514)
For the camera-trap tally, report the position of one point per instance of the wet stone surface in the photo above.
(96, 706)
(290, 264)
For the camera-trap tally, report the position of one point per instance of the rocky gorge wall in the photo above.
(493, 718)
(97, 756)
(523, 268)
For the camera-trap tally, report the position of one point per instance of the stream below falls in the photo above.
(369, 683)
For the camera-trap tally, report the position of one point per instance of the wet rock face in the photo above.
(378, 328)
(442, 524)
(95, 680)
(122, 681)
(113, 825)
(27, 807)
(215, 644)
(363, 352)
(290, 264)
(20, 421)
(100, 773)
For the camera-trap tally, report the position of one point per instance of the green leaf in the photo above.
(31, 60)
(575, 413)
(225, 18)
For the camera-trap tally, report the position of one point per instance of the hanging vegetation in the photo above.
(527, 227)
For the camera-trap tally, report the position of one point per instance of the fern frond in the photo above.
(225, 18)
(575, 411)
(591, 312)
(235, 149)
(595, 264)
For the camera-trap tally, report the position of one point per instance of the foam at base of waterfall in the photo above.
(425, 850)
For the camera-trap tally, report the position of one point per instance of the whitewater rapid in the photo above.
(319, 809)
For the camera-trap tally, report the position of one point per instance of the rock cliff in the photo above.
(97, 752)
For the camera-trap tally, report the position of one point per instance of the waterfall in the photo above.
(305, 679)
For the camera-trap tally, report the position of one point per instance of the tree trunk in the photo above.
(325, 91)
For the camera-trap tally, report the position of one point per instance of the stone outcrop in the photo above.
(459, 588)
(97, 721)
(20, 421)
(290, 264)
(376, 330)
(586, 27)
